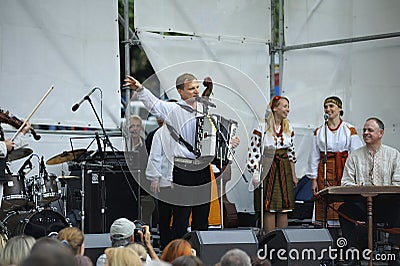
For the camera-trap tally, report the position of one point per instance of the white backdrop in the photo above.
(72, 45)
(364, 75)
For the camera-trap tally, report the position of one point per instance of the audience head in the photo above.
(235, 257)
(175, 249)
(50, 252)
(187, 261)
(81, 260)
(121, 232)
(122, 257)
(74, 238)
(16, 249)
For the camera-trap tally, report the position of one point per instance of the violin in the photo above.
(15, 122)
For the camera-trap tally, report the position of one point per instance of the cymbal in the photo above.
(19, 153)
(68, 177)
(65, 156)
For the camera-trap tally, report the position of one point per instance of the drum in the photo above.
(34, 223)
(51, 189)
(45, 190)
(14, 193)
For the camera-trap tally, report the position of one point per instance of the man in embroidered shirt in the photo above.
(374, 164)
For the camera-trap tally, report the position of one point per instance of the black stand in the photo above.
(106, 141)
(325, 152)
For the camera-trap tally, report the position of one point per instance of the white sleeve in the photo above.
(313, 159)
(154, 163)
(3, 149)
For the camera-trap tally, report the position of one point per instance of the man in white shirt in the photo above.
(374, 164)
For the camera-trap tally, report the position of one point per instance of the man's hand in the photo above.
(26, 128)
(155, 186)
(9, 145)
(235, 141)
(314, 186)
(132, 83)
(207, 82)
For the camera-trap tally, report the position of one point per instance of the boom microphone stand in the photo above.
(106, 142)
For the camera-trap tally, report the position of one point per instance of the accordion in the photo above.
(209, 143)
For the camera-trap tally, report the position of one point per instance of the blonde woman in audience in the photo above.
(122, 257)
(16, 250)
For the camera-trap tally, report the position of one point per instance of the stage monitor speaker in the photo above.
(297, 247)
(95, 244)
(212, 245)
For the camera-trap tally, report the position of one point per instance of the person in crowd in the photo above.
(177, 248)
(7, 146)
(341, 139)
(188, 260)
(235, 257)
(374, 164)
(122, 257)
(75, 239)
(181, 120)
(273, 141)
(50, 252)
(122, 233)
(140, 250)
(16, 250)
(139, 155)
(81, 260)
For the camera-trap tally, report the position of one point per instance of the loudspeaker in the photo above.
(212, 245)
(117, 198)
(95, 244)
(297, 247)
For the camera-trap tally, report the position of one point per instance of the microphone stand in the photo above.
(103, 188)
(325, 152)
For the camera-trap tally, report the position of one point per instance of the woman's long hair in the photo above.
(275, 102)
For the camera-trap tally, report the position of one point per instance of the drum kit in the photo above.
(25, 207)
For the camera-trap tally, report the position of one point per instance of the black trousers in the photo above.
(165, 210)
(199, 212)
(384, 211)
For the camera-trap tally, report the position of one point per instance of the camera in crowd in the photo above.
(139, 227)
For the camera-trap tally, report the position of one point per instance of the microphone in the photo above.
(25, 164)
(76, 106)
(205, 101)
(42, 169)
(326, 117)
(98, 144)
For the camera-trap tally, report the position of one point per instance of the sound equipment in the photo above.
(118, 199)
(297, 247)
(95, 244)
(212, 245)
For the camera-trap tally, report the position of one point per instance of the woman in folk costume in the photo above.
(341, 138)
(273, 142)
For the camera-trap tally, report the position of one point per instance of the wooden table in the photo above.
(358, 193)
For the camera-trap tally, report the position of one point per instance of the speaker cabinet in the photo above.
(297, 247)
(95, 244)
(212, 245)
(108, 196)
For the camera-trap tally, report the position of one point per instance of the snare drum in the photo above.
(14, 193)
(34, 223)
(45, 190)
